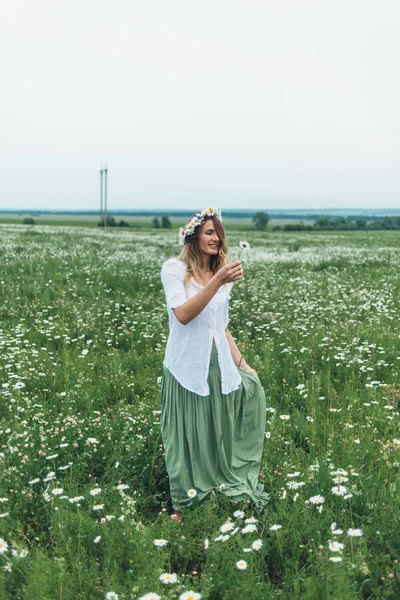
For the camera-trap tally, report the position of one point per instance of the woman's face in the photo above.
(208, 239)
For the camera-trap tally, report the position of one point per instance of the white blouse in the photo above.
(188, 350)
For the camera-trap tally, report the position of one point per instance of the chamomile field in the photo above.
(84, 494)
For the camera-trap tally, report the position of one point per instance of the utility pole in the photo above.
(105, 195)
(101, 193)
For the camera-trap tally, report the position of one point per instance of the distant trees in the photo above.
(261, 220)
(165, 222)
(327, 223)
(29, 221)
(111, 222)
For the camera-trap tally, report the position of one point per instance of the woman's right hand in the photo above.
(231, 272)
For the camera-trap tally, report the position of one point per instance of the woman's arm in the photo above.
(191, 308)
(236, 353)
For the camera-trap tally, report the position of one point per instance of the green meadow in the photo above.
(84, 494)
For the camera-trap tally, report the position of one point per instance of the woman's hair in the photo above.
(191, 253)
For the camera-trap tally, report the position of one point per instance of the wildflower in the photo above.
(244, 245)
(300, 386)
(335, 546)
(284, 417)
(92, 440)
(98, 506)
(249, 528)
(251, 520)
(51, 456)
(122, 486)
(190, 596)
(160, 542)
(95, 491)
(235, 531)
(150, 596)
(23, 553)
(317, 499)
(34, 481)
(257, 544)
(267, 435)
(206, 543)
(340, 479)
(241, 565)
(3, 546)
(335, 558)
(112, 596)
(97, 539)
(57, 491)
(354, 532)
(296, 474)
(192, 493)
(226, 527)
(75, 499)
(169, 578)
(310, 419)
(275, 527)
(339, 490)
(239, 514)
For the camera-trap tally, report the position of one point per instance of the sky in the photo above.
(241, 104)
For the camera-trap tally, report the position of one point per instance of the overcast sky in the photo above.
(255, 104)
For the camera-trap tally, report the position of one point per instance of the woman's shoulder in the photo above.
(173, 264)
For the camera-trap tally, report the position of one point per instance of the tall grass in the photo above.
(83, 486)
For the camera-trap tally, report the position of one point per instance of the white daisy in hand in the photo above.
(243, 245)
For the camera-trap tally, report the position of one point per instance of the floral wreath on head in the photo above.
(197, 219)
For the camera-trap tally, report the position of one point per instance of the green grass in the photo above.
(82, 338)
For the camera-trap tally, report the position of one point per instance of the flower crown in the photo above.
(196, 220)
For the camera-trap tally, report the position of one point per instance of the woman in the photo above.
(212, 403)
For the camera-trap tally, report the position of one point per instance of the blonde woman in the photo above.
(212, 402)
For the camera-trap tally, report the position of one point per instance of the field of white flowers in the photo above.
(84, 495)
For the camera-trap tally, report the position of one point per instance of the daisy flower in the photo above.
(335, 546)
(251, 520)
(3, 546)
(190, 596)
(275, 527)
(95, 491)
(249, 528)
(57, 491)
(112, 596)
(150, 596)
(317, 499)
(160, 542)
(239, 514)
(354, 532)
(335, 558)
(284, 417)
(244, 245)
(257, 544)
(192, 493)
(97, 539)
(226, 527)
(241, 565)
(339, 490)
(169, 578)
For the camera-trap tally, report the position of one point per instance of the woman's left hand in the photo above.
(250, 370)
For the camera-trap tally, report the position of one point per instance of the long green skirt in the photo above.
(214, 442)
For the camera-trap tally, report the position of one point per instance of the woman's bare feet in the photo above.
(177, 516)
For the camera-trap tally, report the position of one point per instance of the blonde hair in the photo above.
(191, 256)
